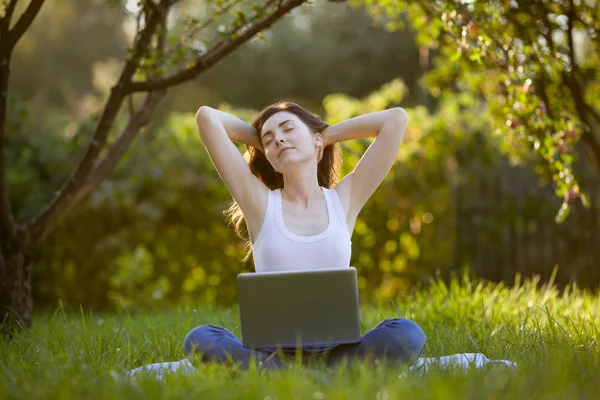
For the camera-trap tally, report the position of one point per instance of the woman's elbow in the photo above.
(398, 115)
(203, 114)
(396, 118)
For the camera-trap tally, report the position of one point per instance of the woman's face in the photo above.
(287, 141)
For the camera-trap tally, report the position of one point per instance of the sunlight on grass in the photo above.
(552, 336)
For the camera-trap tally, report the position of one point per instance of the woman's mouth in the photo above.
(283, 150)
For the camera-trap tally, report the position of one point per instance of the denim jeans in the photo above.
(397, 340)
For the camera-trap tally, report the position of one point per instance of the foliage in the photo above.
(162, 213)
(158, 57)
(154, 234)
(316, 50)
(132, 285)
(39, 159)
(65, 55)
(157, 228)
(166, 199)
(536, 65)
(551, 336)
(412, 211)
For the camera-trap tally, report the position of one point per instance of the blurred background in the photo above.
(463, 196)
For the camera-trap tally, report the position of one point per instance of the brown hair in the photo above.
(327, 170)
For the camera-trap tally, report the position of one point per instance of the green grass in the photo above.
(553, 337)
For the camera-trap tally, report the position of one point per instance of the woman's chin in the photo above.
(293, 164)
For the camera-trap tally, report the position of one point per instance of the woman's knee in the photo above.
(203, 338)
(402, 336)
(411, 336)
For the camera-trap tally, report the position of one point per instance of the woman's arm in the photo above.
(387, 127)
(217, 131)
(237, 130)
(363, 126)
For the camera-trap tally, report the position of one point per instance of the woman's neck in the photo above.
(301, 191)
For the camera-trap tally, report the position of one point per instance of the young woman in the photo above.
(296, 215)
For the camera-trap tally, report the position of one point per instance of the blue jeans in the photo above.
(397, 339)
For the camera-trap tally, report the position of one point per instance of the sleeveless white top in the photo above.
(278, 249)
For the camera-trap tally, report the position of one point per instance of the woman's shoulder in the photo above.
(342, 190)
(255, 214)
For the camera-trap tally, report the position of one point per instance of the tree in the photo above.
(161, 55)
(536, 64)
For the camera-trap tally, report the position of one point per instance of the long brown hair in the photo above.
(327, 170)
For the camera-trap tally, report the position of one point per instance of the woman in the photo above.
(296, 216)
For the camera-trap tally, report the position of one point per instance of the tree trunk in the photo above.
(19, 242)
(16, 298)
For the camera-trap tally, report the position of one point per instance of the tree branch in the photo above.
(541, 88)
(150, 4)
(581, 106)
(68, 195)
(121, 145)
(77, 185)
(219, 51)
(196, 30)
(571, 16)
(161, 35)
(24, 22)
(8, 40)
(267, 4)
(10, 9)
(224, 9)
(593, 112)
(593, 148)
(7, 223)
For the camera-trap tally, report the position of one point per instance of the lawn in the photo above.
(553, 337)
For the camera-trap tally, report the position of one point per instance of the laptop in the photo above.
(292, 309)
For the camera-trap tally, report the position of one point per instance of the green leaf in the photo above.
(563, 213)
(585, 200)
(456, 56)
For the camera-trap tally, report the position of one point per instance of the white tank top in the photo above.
(278, 249)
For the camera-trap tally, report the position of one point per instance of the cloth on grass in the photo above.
(461, 362)
(161, 369)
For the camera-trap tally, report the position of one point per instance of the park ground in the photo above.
(551, 334)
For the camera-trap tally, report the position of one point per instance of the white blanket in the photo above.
(160, 369)
(462, 361)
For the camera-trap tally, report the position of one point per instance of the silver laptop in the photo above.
(299, 308)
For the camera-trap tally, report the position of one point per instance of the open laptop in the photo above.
(299, 308)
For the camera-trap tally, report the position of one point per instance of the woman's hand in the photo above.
(363, 126)
(327, 140)
(237, 130)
